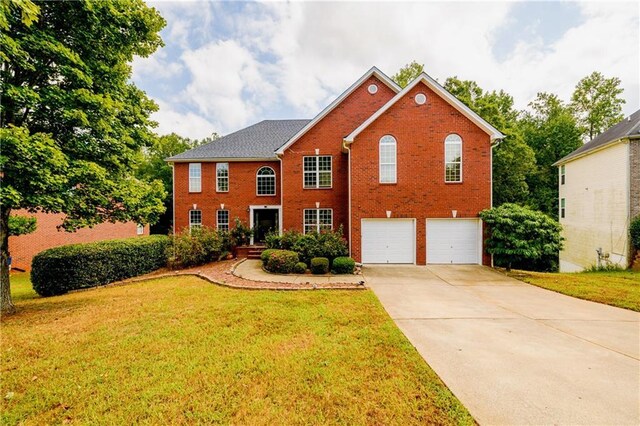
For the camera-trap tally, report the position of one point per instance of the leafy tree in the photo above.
(408, 73)
(26, 8)
(72, 124)
(513, 159)
(597, 103)
(519, 235)
(21, 225)
(551, 130)
(154, 167)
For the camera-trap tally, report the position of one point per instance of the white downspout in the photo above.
(281, 218)
(348, 148)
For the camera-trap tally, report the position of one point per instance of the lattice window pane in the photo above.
(195, 219)
(222, 177)
(266, 181)
(223, 220)
(195, 177)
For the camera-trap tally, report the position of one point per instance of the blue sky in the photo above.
(226, 65)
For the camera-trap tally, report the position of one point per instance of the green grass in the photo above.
(617, 288)
(183, 351)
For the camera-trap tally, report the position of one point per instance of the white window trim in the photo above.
(563, 208)
(317, 224)
(317, 172)
(445, 157)
(218, 223)
(192, 187)
(563, 173)
(191, 224)
(395, 162)
(139, 229)
(275, 190)
(218, 177)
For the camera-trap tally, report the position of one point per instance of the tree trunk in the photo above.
(509, 266)
(6, 304)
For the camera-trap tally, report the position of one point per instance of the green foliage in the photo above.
(264, 256)
(343, 265)
(29, 13)
(319, 265)
(551, 130)
(289, 239)
(61, 269)
(196, 247)
(330, 244)
(597, 103)
(634, 231)
(273, 240)
(282, 261)
(408, 73)
(605, 267)
(21, 225)
(241, 233)
(300, 268)
(513, 159)
(519, 234)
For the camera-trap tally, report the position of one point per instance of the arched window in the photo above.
(453, 158)
(388, 154)
(266, 181)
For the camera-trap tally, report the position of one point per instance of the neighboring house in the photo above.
(599, 195)
(47, 235)
(405, 172)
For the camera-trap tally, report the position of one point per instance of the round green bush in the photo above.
(61, 269)
(319, 265)
(264, 256)
(343, 265)
(634, 230)
(282, 261)
(300, 268)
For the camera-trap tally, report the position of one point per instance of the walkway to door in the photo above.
(515, 353)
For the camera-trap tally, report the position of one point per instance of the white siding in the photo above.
(596, 191)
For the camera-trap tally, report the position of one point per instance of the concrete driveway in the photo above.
(515, 353)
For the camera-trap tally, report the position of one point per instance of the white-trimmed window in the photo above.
(140, 229)
(562, 175)
(317, 171)
(223, 220)
(195, 219)
(316, 220)
(195, 177)
(222, 177)
(453, 158)
(562, 207)
(388, 157)
(266, 181)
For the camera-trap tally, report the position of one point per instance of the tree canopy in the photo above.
(597, 103)
(407, 73)
(72, 123)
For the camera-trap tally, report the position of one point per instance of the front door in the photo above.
(264, 221)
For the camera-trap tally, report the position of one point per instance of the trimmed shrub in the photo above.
(319, 265)
(300, 268)
(289, 239)
(634, 230)
(282, 261)
(272, 240)
(61, 269)
(196, 247)
(264, 256)
(343, 265)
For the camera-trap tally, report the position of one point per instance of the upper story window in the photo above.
(222, 177)
(266, 181)
(317, 171)
(195, 177)
(195, 219)
(316, 220)
(562, 175)
(223, 220)
(453, 158)
(140, 229)
(562, 207)
(388, 159)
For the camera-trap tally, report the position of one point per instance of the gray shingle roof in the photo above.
(258, 141)
(629, 127)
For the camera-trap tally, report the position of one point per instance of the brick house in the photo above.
(599, 191)
(405, 172)
(47, 235)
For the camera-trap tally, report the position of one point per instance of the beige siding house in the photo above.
(599, 195)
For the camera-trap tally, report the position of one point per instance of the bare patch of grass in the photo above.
(182, 351)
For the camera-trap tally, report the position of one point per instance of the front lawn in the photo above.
(182, 351)
(620, 288)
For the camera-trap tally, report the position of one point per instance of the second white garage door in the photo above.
(388, 241)
(453, 241)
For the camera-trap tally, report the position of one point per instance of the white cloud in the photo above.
(187, 124)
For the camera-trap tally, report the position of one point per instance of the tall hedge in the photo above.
(634, 230)
(61, 269)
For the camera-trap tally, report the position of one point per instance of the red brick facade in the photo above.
(420, 191)
(24, 247)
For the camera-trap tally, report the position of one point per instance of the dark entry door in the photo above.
(264, 220)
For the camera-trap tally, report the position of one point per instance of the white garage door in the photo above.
(453, 241)
(388, 241)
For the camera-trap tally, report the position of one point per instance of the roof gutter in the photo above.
(219, 160)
